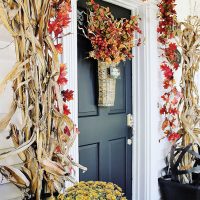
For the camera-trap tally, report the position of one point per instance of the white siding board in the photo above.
(5, 143)
(8, 190)
(11, 160)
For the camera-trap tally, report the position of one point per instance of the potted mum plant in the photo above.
(112, 42)
(181, 110)
(93, 190)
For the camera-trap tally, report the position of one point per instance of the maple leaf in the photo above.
(67, 131)
(66, 110)
(67, 95)
(165, 97)
(168, 73)
(164, 67)
(173, 137)
(176, 65)
(176, 92)
(59, 48)
(171, 123)
(58, 149)
(173, 111)
(62, 77)
(166, 83)
(163, 110)
(174, 101)
(165, 124)
(172, 47)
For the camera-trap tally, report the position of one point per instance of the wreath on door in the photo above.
(112, 42)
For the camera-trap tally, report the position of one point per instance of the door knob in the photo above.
(130, 123)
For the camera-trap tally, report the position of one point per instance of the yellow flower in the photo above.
(93, 190)
(110, 197)
(117, 193)
(110, 186)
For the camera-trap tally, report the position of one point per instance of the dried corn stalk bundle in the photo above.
(40, 142)
(189, 41)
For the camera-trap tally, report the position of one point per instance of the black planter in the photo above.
(175, 191)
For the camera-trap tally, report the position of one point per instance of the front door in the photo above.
(103, 147)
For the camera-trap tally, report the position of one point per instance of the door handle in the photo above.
(130, 124)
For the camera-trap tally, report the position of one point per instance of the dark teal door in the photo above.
(103, 147)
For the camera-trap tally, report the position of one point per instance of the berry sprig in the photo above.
(112, 40)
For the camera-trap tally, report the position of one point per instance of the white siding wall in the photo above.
(7, 60)
(195, 7)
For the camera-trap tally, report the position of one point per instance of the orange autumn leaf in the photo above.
(165, 124)
(59, 48)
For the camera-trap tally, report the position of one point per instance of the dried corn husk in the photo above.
(34, 78)
(189, 41)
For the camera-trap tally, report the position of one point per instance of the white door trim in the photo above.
(70, 59)
(145, 70)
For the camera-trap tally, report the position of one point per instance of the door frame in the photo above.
(144, 163)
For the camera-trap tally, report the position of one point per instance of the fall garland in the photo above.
(172, 58)
(46, 134)
(181, 110)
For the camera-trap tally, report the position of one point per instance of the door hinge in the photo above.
(130, 120)
(130, 141)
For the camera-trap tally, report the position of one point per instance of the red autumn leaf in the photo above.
(58, 31)
(60, 18)
(165, 124)
(166, 84)
(50, 28)
(173, 111)
(176, 92)
(168, 74)
(165, 97)
(163, 110)
(67, 131)
(67, 95)
(176, 65)
(62, 77)
(171, 123)
(59, 48)
(167, 71)
(172, 46)
(58, 149)
(173, 137)
(164, 67)
(66, 110)
(174, 101)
